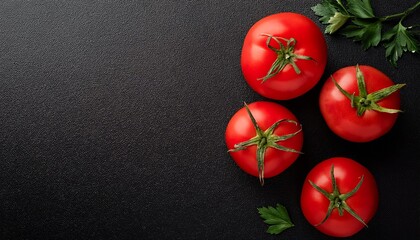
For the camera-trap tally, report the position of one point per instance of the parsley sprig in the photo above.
(277, 217)
(355, 19)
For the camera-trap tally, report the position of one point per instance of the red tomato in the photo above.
(301, 38)
(359, 122)
(278, 148)
(348, 175)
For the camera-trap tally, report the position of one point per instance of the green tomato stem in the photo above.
(337, 199)
(285, 56)
(368, 101)
(264, 140)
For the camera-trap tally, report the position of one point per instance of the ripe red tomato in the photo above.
(264, 139)
(283, 56)
(355, 117)
(356, 192)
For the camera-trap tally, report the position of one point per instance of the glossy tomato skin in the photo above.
(342, 119)
(240, 129)
(257, 58)
(348, 173)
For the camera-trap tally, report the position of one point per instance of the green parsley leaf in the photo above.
(325, 10)
(360, 8)
(397, 40)
(368, 32)
(355, 19)
(332, 14)
(336, 22)
(277, 217)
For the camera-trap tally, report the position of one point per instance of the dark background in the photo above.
(112, 120)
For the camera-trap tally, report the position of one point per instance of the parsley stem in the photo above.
(343, 8)
(401, 15)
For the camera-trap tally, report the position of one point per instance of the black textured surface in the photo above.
(112, 120)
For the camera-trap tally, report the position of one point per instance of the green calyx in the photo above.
(368, 101)
(264, 140)
(338, 200)
(285, 56)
